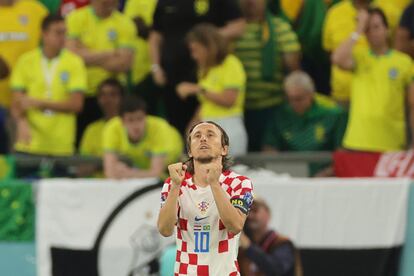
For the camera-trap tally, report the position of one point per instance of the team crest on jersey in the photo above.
(23, 19)
(201, 7)
(112, 35)
(393, 73)
(64, 76)
(203, 206)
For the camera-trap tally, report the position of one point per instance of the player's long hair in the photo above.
(226, 161)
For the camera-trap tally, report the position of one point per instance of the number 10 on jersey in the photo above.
(202, 242)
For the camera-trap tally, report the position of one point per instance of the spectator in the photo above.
(19, 32)
(104, 38)
(110, 93)
(404, 38)
(141, 12)
(340, 22)
(303, 124)
(48, 85)
(267, 49)
(221, 85)
(171, 61)
(149, 142)
(264, 251)
(382, 76)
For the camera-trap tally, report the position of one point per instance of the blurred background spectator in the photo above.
(48, 85)
(171, 61)
(340, 22)
(382, 77)
(267, 49)
(148, 141)
(404, 38)
(104, 38)
(110, 93)
(264, 251)
(221, 85)
(303, 123)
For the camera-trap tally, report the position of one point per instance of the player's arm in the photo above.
(23, 131)
(232, 218)
(227, 98)
(91, 58)
(292, 61)
(4, 69)
(167, 217)
(72, 105)
(120, 61)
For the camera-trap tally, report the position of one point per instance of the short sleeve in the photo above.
(88, 141)
(18, 79)
(234, 76)
(73, 25)
(111, 142)
(165, 191)
(77, 80)
(127, 35)
(286, 37)
(242, 196)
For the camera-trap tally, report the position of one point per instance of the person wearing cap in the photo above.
(264, 251)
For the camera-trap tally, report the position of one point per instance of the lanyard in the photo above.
(49, 72)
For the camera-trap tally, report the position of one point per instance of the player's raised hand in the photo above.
(213, 171)
(177, 173)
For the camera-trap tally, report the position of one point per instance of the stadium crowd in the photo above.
(112, 78)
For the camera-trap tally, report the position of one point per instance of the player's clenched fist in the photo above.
(213, 171)
(177, 173)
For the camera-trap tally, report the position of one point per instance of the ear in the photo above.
(225, 150)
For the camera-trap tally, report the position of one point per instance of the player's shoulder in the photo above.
(232, 178)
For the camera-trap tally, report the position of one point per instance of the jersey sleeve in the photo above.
(242, 196)
(88, 141)
(327, 42)
(234, 76)
(77, 78)
(111, 141)
(286, 37)
(74, 25)
(127, 35)
(18, 79)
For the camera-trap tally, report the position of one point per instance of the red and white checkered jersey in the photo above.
(204, 246)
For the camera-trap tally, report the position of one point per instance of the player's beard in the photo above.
(205, 159)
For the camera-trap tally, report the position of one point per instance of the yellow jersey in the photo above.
(142, 63)
(160, 138)
(53, 133)
(377, 112)
(91, 143)
(100, 34)
(229, 74)
(19, 32)
(340, 22)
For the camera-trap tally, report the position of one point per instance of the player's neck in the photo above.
(380, 50)
(99, 12)
(200, 173)
(50, 53)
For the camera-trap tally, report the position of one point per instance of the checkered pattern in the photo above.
(216, 251)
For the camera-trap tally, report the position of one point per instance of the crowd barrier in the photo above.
(342, 226)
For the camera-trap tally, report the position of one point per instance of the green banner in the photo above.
(17, 216)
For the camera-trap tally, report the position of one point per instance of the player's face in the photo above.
(299, 99)
(258, 218)
(206, 142)
(54, 35)
(198, 52)
(134, 123)
(109, 98)
(377, 32)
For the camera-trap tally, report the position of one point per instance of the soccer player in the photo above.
(207, 204)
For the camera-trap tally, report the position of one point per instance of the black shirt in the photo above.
(174, 18)
(407, 20)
